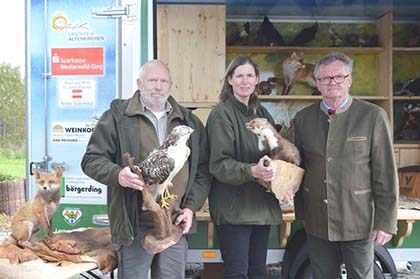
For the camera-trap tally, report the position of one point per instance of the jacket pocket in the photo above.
(360, 211)
(361, 138)
(359, 148)
(362, 191)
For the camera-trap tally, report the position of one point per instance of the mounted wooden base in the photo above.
(288, 177)
(154, 245)
(165, 234)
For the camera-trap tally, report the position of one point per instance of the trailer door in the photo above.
(77, 52)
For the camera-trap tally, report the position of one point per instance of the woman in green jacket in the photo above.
(241, 210)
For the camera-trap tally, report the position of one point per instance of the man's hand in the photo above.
(260, 171)
(128, 179)
(184, 219)
(381, 237)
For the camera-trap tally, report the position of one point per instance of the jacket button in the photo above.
(325, 181)
(326, 201)
(329, 159)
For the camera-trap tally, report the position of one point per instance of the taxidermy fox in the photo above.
(36, 214)
(296, 70)
(272, 143)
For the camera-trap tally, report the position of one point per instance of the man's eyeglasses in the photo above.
(338, 79)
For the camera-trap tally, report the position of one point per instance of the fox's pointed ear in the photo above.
(36, 173)
(59, 172)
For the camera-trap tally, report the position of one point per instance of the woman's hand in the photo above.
(262, 170)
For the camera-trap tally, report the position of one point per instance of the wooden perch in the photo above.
(165, 233)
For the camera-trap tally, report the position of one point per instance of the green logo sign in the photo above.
(72, 215)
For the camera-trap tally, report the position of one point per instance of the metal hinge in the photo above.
(128, 11)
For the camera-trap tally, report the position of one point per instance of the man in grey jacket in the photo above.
(137, 126)
(349, 196)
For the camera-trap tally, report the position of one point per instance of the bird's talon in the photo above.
(164, 203)
(167, 195)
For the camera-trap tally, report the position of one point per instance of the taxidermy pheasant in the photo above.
(163, 163)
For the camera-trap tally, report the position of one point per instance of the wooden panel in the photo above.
(397, 157)
(191, 39)
(202, 113)
(409, 157)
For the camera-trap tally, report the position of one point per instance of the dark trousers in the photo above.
(327, 256)
(244, 250)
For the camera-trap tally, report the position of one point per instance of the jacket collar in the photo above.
(239, 105)
(340, 110)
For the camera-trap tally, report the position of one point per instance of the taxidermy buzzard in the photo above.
(163, 163)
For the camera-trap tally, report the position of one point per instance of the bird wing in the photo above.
(157, 167)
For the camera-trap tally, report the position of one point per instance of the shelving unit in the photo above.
(194, 44)
(374, 86)
(382, 95)
(317, 50)
(406, 154)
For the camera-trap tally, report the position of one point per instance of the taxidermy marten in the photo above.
(272, 143)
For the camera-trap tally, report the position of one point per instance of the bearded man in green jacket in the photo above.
(137, 126)
(349, 196)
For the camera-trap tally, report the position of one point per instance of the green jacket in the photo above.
(350, 185)
(235, 197)
(118, 132)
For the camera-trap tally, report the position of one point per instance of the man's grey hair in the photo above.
(332, 57)
(142, 70)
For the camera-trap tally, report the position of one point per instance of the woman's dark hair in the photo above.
(227, 88)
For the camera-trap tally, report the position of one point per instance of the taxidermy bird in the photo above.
(410, 87)
(163, 163)
(267, 34)
(305, 36)
(414, 40)
(241, 36)
(265, 86)
(409, 127)
(335, 37)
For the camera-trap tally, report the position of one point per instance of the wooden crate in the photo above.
(410, 181)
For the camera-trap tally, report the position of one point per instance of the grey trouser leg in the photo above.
(358, 258)
(326, 258)
(171, 262)
(134, 262)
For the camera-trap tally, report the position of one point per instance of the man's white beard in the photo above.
(151, 101)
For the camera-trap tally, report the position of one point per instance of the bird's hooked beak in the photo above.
(188, 130)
